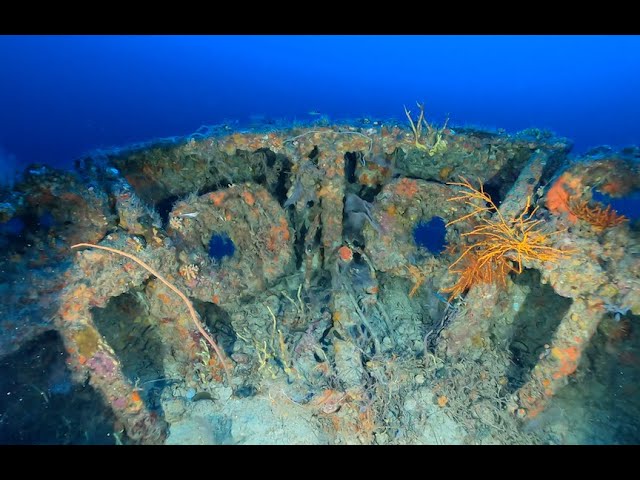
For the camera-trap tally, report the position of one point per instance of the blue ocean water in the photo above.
(61, 96)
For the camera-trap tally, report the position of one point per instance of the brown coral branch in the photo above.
(598, 216)
(187, 302)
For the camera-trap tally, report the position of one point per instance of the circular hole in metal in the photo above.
(221, 246)
(431, 235)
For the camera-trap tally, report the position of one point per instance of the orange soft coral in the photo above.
(557, 199)
(407, 187)
(345, 253)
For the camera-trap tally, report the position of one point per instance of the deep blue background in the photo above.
(61, 96)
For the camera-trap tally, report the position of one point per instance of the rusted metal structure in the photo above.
(289, 200)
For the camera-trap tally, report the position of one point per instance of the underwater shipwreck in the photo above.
(365, 283)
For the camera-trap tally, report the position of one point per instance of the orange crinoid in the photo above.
(499, 245)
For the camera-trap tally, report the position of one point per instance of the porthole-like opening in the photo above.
(431, 235)
(221, 246)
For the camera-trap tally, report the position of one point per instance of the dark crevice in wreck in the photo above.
(609, 376)
(534, 325)
(280, 189)
(164, 207)
(299, 246)
(351, 160)
(218, 322)
(369, 193)
(131, 331)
